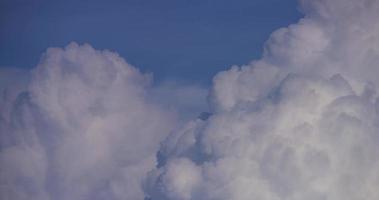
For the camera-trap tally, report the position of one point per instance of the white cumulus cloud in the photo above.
(83, 128)
(300, 123)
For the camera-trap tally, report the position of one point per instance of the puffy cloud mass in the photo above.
(82, 128)
(300, 123)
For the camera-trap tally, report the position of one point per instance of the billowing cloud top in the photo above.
(301, 123)
(83, 130)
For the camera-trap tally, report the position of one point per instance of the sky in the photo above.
(291, 112)
(182, 40)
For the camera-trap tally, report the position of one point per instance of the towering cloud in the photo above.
(83, 129)
(301, 123)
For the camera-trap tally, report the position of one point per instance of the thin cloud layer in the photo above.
(187, 100)
(83, 129)
(301, 123)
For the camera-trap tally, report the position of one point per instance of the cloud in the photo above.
(187, 100)
(300, 123)
(83, 128)
(12, 82)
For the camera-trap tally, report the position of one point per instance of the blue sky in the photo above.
(182, 40)
(84, 125)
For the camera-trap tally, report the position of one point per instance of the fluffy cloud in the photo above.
(84, 128)
(301, 123)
